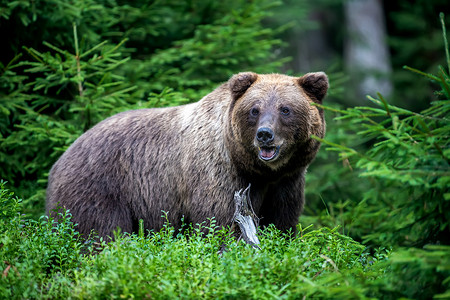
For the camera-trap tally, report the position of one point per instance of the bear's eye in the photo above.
(254, 112)
(285, 111)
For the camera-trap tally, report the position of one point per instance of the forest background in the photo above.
(380, 181)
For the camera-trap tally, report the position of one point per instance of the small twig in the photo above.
(8, 267)
(77, 58)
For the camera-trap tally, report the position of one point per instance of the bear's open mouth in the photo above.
(268, 153)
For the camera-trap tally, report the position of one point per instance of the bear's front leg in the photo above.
(283, 204)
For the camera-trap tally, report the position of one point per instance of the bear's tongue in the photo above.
(267, 153)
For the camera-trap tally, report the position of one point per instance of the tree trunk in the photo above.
(366, 51)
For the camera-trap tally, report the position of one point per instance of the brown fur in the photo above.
(189, 160)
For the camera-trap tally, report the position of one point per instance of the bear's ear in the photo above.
(315, 85)
(240, 82)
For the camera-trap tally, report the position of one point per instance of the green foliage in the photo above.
(415, 39)
(409, 161)
(392, 188)
(190, 266)
(10, 205)
(46, 259)
(421, 273)
(31, 252)
(46, 122)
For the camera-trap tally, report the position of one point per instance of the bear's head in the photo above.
(271, 119)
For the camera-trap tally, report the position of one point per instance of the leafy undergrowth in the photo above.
(47, 259)
(162, 266)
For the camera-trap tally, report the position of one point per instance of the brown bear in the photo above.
(189, 160)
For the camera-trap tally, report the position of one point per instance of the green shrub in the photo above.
(189, 266)
(391, 190)
(415, 39)
(409, 160)
(33, 252)
(46, 259)
(405, 173)
(420, 273)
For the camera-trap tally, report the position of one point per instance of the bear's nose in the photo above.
(264, 135)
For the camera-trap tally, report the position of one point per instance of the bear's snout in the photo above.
(265, 136)
(267, 151)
